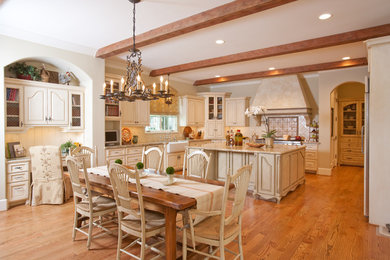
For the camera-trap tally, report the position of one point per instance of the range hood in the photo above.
(284, 96)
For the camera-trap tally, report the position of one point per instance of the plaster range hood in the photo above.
(284, 96)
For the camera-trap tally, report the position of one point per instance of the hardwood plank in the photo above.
(285, 71)
(316, 43)
(217, 15)
(324, 218)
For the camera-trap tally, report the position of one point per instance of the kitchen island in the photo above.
(275, 171)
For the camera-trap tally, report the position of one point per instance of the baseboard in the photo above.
(3, 205)
(325, 171)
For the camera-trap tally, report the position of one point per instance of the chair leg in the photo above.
(118, 251)
(143, 246)
(240, 245)
(90, 226)
(184, 257)
(222, 251)
(76, 216)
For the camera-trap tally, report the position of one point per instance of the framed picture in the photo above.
(19, 151)
(11, 149)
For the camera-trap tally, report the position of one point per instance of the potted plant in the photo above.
(269, 138)
(66, 147)
(24, 71)
(170, 171)
(118, 161)
(140, 167)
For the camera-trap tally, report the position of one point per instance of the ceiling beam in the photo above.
(316, 43)
(286, 71)
(220, 14)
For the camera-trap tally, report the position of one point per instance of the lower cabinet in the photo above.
(311, 162)
(214, 129)
(350, 151)
(176, 160)
(18, 180)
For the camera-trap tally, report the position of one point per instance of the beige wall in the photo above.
(88, 69)
(351, 90)
(379, 125)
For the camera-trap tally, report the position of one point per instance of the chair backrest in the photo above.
(198, 164)
(88, 154)
(46, 162)
(241, 182)
(152, 158)
(120, 177)
(74, 167)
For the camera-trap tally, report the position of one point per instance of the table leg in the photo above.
(170, 233)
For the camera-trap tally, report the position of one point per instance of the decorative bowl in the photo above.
(255, 145)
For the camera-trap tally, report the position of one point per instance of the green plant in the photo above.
(65, 147)
(170, 170)
(139, 165)
(269, 134)
(118, 161)
(25, 70)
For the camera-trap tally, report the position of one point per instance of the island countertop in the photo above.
(277, 149)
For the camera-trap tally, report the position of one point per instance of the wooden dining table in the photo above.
(167, 203)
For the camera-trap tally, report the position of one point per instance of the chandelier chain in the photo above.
(134, 25)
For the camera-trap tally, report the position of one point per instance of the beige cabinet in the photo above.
(311, 161)
(176, 160)
(191, 111)
(76, 110)
(214, 129)
(135, 113)
(235, 111)
(18, 179)
(14, 107)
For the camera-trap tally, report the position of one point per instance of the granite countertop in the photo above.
(153, 143)
(277, 149)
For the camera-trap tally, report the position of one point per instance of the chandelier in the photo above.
(133, 87)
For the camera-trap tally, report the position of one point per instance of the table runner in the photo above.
(208, 197)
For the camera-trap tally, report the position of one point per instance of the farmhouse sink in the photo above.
(174, 147)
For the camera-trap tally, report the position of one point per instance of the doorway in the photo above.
(347, 123)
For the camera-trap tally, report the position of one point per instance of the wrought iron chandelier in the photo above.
(133, 87)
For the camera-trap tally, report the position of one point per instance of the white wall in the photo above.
(88, 69)
(327, 81)
(379, 125)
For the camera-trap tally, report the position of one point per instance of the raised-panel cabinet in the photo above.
(57, 107)
(191, 111)
(35, 106)
(235, 111)
(135, 113)
(128, 113)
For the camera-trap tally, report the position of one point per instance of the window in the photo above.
(162, 123)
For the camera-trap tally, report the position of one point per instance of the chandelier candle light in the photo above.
(133, 87)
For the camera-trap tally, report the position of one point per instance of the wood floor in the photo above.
(322, 219)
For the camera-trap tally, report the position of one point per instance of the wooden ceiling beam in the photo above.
(286, 71)
(217, 15)
(316, 43)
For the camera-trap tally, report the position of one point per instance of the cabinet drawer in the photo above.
(311, 155)
(18, 191)
(112, 159)
(115, 152)
(352, 150)
(311, 165)
(131, 151)
(18, 167)
(311, 147)
(15, 177)
(132, 160)
(351, 145)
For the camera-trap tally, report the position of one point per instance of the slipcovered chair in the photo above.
(87, 203)
(47, 185)
(136, 221)
(152, 159)
(197, 164)
(218, 229)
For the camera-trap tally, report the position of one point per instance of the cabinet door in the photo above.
(240, 113)
(210, 108)
(349, 123)
(191, 112)
(57, 107)
(210, 130)
(76, 110)
(172, 160)
(142, 116)
(219, 111)
(128, 113)
(231, 112)
(266, 174)
(199, 112)
(14, 107)
(219, 129)
(35, 106)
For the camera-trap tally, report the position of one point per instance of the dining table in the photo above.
(158, 200)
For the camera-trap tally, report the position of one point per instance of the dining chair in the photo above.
(152, 159)
(137, 221)
(218, 228)
(89, 154)
(197, 164)
(47, 185)
(87, 204)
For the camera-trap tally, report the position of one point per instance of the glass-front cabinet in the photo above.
(352, 118)
(215, 107)
(76, 110)
(14, 107)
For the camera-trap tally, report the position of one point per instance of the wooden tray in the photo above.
(255, 145)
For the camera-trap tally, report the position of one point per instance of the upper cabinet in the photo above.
(191, 111)
(135, 113)
(352, 115)
(235, 111)
(32, 103)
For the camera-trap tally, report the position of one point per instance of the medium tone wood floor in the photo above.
(322, 219)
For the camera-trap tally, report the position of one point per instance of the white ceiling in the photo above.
(84, 26)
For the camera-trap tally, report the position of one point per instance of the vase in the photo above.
(140, 171)
(170, 178)
(26, 77)
(269, 142)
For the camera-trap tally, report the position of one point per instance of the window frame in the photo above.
(147, 131)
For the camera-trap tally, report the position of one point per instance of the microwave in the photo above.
(112, 137)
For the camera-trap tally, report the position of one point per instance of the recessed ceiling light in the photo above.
(346, 58)
(325, 16)
(271, 68)
(219, 41)
(217, 76)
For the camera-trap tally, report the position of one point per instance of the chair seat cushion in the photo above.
(100, 203)
(154, 220)
(209, 228)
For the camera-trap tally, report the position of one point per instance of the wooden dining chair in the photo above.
(86, 203)
(152, 159)
(218, 229)
(197, 164)
(137, 222)
(88, 154)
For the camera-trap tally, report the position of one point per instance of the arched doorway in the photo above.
(347, 122)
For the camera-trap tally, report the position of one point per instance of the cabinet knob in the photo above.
(21, 123)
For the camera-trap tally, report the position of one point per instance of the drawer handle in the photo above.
(18, 178)
(18, 167)
(19, 188)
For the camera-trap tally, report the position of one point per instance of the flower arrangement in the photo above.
(255, 111)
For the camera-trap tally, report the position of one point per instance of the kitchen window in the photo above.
(162, 123)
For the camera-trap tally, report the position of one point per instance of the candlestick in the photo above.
(112, 86)
(143, 88)
(154, 88)
(122, 84)
(104, 88)
(161, 81)
(166, 86)
(138, 82)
